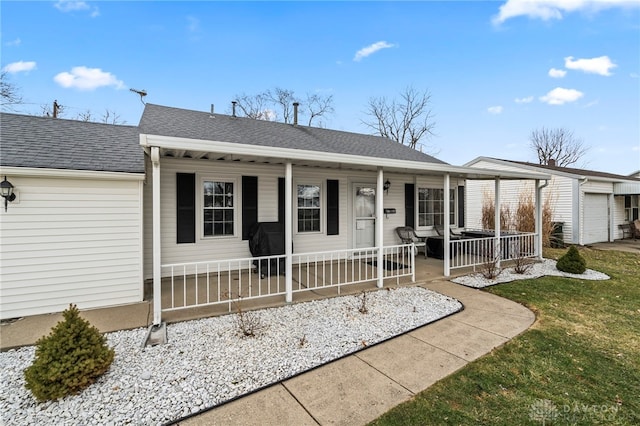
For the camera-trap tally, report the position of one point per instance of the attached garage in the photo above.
(596, 218)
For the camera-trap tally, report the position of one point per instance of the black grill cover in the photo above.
(267, 239)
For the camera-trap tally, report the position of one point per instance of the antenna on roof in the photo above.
(142, 94)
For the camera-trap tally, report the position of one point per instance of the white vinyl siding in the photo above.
(68, 241)
(559, 192)
(208, 249)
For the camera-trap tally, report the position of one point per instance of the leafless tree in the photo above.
(284, 100)
(559, 145)
(255, 106)
(408, 121)
(9, 92)
(318, 106)
(111, 117)
(277, 105)
(84, 116)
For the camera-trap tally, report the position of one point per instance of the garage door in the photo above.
(596, 218)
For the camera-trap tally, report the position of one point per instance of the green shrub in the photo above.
(572, 262)
(69, 359)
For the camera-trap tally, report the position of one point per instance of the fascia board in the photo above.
(169, 142)
(73, 174)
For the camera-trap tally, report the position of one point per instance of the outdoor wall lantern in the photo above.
(386, 186)
(6, 190)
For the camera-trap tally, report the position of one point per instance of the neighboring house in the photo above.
(73, 234)
(590, 204)
(102, 208)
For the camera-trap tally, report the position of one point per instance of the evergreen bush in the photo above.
(572, 262)
(69, 359)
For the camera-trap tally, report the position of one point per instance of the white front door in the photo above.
(364, 207)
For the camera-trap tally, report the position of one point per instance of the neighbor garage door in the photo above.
(596, 218)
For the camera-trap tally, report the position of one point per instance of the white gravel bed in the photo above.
(538, 269)
(207, 362)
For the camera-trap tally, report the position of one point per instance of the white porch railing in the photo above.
(192, 284)
(468, 252)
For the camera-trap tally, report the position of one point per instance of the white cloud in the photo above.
(560, 96)
(526, 100)
(600, 65)
(20, 66)
(495, 110)
(15, 42)
(556, 73)
(371, 49)
(84, 78)
(74, 6)
(592, 103)
(554, 9)
(634, 75)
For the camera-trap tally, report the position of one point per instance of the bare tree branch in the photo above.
(284, 100)
(111, 117)
(559, 145)
(318, 106)
(255, 106)
(277, 105)
(408, 121)
(9, 92)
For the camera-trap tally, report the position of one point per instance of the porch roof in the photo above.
(201, 135)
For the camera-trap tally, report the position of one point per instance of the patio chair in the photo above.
(408, 236)
(440, 231)
(635, 229)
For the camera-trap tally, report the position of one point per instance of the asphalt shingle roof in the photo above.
(41, 142)
(175, 122)
(581, 172)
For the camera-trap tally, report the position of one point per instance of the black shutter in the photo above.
(186, 207)
(281, 195)
(409, 205)
(333, 211)
(461, 206)
(249, 204)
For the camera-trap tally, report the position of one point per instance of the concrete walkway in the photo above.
(359, 388)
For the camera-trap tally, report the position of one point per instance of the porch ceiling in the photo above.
(224, 151)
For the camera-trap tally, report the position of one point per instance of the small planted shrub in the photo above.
(572, 262)
(69, 359)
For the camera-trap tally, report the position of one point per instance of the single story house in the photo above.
(589, 204)
(103, 208)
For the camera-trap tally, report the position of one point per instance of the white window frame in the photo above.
(201, 207)
(634, 205)
(453, 208)
(321, 208)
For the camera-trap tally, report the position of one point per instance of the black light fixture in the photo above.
(386, 186)
(6, 190)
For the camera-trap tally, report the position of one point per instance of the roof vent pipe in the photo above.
(211, 108)
(233, 108)
(295, 113)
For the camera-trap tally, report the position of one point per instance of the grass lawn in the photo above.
(578, 364)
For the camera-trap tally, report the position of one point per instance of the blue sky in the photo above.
(495, 70)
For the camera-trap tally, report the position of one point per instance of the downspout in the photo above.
(580, 208)
(538, 225)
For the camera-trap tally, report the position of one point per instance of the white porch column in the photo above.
(496, 246)
(157, 258)
(288, 239)
(538, 221)
(446, 212)
(380, 225)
